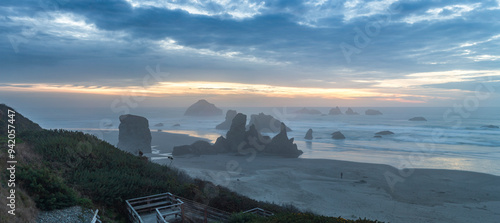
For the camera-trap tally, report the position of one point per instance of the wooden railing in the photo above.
(260, 211)
(154, 203)
(96, 218)
(167, 204)
(132, 214)
(159, 217)
(166, 211)
(202, 213)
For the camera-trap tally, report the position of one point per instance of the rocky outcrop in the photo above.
(221, 145)
(265, 123)
(199, 147)
(176, 125)
(338, 135)
(383, 133)
(281, 145)
(373, 112)
(418, 119)
(309, 134)
(230, 114)
(335, 111)
(236, 133)
(490, 127)
(159, 125)
(134, 134)
(351, 112)
(239, 140)
(203, 108)
(306, 111)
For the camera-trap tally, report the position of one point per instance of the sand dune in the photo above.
(426, 195)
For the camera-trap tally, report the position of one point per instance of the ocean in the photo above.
(449, 139)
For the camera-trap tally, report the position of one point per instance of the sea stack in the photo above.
(335, 111)
(265, 123)
(373, 112)
(383, 133)
(309, 134)
(338, 135)
(230, 114)
(134, 134)
(281, 145)
(421, 119)
(203, 108)
(350, 112)
(236, 134)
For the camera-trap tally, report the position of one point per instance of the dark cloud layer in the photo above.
(282, 40)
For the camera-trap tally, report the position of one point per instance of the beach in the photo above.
(341, 188)
(422, 195)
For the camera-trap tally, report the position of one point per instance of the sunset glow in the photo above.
(216, 88)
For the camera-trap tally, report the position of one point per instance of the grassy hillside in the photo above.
(59, 168)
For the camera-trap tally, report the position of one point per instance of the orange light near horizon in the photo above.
(201, 88)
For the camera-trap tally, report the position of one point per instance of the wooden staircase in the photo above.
(167, 206)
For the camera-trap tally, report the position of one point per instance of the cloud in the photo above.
(443, 13)
(237, 9)
(268, 42)
(359, 8)
(433, 78)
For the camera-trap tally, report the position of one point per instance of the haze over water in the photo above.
(441, 142)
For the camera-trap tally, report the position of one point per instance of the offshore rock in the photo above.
(230, 114)
(203, 108)
(134, 134)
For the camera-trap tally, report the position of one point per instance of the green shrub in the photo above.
(245, 218)
(47, 189)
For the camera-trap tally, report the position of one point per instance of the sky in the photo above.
(318, 53)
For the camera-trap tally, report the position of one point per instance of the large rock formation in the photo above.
(134, 135)
(418, 119)
(350, 112)
(203, 108)
(306, 111)
(265, 123)
(309, 134)
(236, 134)
(239, 140)
(230, 114)
(373, 112)
(281, 145)
(335, 111)
(338, 135)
